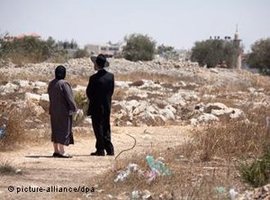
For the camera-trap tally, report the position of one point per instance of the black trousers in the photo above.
(102, 130)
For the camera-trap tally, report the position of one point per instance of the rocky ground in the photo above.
(147, 94)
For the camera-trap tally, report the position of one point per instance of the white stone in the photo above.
(214, 70)
(170, 107)
(133, 91)
(251, 89)
(9, 88)
(31, 96)
(168, 114)
(22, 83)
(78, 89)
(236, 114)
(40, 84)
(216, 106)
(193, 122)
(122, 84)
(207, 118)
(177, 99)
(141, 107)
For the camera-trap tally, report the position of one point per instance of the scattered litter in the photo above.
(135, 194)
(157, 166)
(78, 116)
(124, 174)
(220, 190)
(233, 194)
(166, 196)
(18, 171)
(100, 191)
(2, 131)
(151, 175)
(145, 195)
(110, 196)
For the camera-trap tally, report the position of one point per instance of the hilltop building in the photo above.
(237, 41)
(21, 36)
(109, 49)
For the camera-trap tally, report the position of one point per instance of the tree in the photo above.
(167, 52)
(29, 49)
(81, 53)
(214, 52)
(260, 56)
(139, 47)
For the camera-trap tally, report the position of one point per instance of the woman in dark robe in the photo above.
(62, 106)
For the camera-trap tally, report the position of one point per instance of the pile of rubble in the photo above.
(258, 193)
(146, 102)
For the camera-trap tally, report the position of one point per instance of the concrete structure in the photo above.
(109, 49)
(21, 36)
(237, 41)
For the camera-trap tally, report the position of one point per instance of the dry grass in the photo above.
(157, 77)
(119, 94)
(77, 80)
(6, 168)
(19, 132)
(14, 130)
(189, 179)
(138, 76)
(5, 78)
(200, 167)
(232, 139)
(258, 81)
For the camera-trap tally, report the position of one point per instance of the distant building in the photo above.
(21, 36)
(237, 41)
(237, 44)
(109, 49)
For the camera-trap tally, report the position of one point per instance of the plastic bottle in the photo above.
(157, 166)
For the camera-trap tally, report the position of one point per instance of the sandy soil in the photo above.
(39, 169)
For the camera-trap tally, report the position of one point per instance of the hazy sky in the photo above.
(178, 23)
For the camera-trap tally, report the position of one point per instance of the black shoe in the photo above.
(58, 155)
(97, 154)
(110, 154)
(64, 156)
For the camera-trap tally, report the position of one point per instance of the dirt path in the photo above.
(39, 169)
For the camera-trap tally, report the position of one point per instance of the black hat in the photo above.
(100, 60)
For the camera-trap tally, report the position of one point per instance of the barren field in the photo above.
(200, 123)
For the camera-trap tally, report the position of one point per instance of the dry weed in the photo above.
(119, 94)
(6, 168)
(19, 131)
(138, 76)
(232, 139)
(189, 180)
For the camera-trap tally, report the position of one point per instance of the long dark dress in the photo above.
(62, 106)
(99, 92)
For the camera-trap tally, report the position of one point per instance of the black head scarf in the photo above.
(60, 72)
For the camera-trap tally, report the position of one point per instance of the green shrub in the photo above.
(214, 52)
(31, 49)
(81, 53)
(81, 101)
(139, 47)
(258, 172)
(7, 168)
(167, 52)
(260, 56)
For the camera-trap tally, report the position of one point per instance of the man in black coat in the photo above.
(99, 92)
